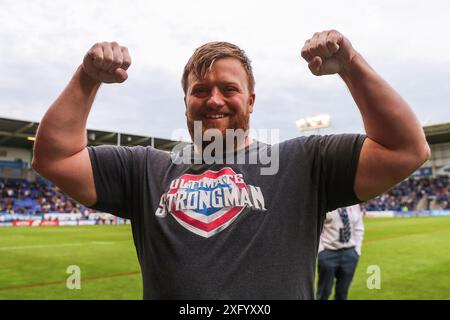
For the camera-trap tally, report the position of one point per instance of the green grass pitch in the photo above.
(413, 256)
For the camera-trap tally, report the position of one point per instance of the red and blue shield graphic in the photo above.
(203, 204)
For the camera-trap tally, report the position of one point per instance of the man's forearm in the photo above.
(388, 119)
(62, 131)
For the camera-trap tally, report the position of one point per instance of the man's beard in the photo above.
(238, 126)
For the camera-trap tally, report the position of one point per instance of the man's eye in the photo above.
(200, 91)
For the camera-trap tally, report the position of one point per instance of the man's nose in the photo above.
(215, 99)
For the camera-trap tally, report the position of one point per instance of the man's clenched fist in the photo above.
(107, 62)
(328, 52)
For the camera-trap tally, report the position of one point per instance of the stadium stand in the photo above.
(26, 199)
(22, 196)
(428, 187)
(414, 194)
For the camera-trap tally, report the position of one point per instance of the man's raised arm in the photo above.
(396, 144)
(60, 153)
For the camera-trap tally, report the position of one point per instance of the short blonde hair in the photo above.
(204, 57)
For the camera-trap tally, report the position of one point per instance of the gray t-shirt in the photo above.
(224, 231)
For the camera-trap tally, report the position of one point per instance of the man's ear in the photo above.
(251, 102)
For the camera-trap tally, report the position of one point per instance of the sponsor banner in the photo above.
(52, 223)
(6, 224)
(17, 216)
(86, 222)
(379, 214)
(406, 214)
(68, 223)
(424, 213)
(22, 223)
(118, 220)
(101, 215)
(63, 216)
(441, 213)
(101, 221)
(35, 223)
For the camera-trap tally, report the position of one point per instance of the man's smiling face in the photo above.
(221, 100)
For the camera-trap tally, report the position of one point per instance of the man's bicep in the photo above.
(339, 156)
(74, 176)
(378, 170)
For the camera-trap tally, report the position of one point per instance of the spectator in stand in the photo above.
(20, 196)
(407, 195)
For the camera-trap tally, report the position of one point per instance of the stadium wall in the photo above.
(440, 156)
(59, 219)
(16, 173)
(14, 154)
(399, 214)
(77, 219)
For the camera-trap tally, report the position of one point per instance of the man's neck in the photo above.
(199, 149)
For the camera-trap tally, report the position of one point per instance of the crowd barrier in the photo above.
(396, 214)
(59, 219)
(78, 219)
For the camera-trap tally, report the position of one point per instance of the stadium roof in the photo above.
(438, 133)
(20, 134)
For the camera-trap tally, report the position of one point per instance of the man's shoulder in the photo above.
(302, 142)
(314, 140)
(128, 151)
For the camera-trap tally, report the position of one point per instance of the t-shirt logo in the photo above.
(207, 203)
